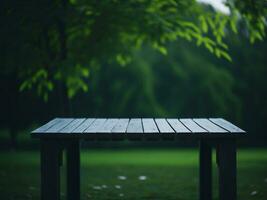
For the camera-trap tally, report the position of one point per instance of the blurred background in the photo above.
(112, 58)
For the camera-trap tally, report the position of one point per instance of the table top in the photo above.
(137, 128)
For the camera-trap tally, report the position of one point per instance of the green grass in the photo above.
(171, 174)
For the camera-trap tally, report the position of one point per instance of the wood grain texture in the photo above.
(84, 125)
(108, 126)
(178, 126)
(226, 125)
(163, 126)
(209, 126)
(60, 125)
(121, 126)
(95, 126)
(149, 125)
(72, 125)
(193, 126)
(135, 126)
(47, 125)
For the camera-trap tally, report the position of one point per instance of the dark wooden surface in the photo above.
(73, 169)
(226, 159)
(205, 171)
(138, 128)
(50, 169)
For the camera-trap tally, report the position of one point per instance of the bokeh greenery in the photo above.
(117, 58)
(61, 40)
(134, 58)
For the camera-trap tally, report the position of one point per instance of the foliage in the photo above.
(47, 42)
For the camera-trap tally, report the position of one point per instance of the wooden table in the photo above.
(65, 134)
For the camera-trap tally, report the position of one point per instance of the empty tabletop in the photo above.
(137, 128)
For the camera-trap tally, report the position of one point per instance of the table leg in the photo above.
(226, 152)
(73, 170)
(50, 169)
(205, 171)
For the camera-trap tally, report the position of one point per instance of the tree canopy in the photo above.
(57, 42)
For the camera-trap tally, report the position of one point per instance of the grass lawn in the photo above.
(133, 174)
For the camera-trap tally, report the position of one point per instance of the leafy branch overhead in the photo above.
(65, 39)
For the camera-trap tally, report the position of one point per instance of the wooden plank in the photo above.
(121, 126)
(84, 125)
(226, 152)
(135, 126)
(108, 125)
(57, 127)
(71, 126)
(135, 129)
(209, 126)
(193, 126)
(50, 169)
(95, 126)
(227, 125)
(149, 125)
(163, 126)
(178, 126)
(47, 125)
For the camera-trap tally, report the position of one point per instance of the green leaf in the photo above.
(160, 48)
(25, 85)
(217, 52)
(199, 41)
(123, 60)
(84, 87)
(163, 50)
(85, 72)
(71, 92)
(211, 23)
(209, 47)
(223, 45)
(50, 85)
(233, 25)
(204, 24)
(226, 56)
